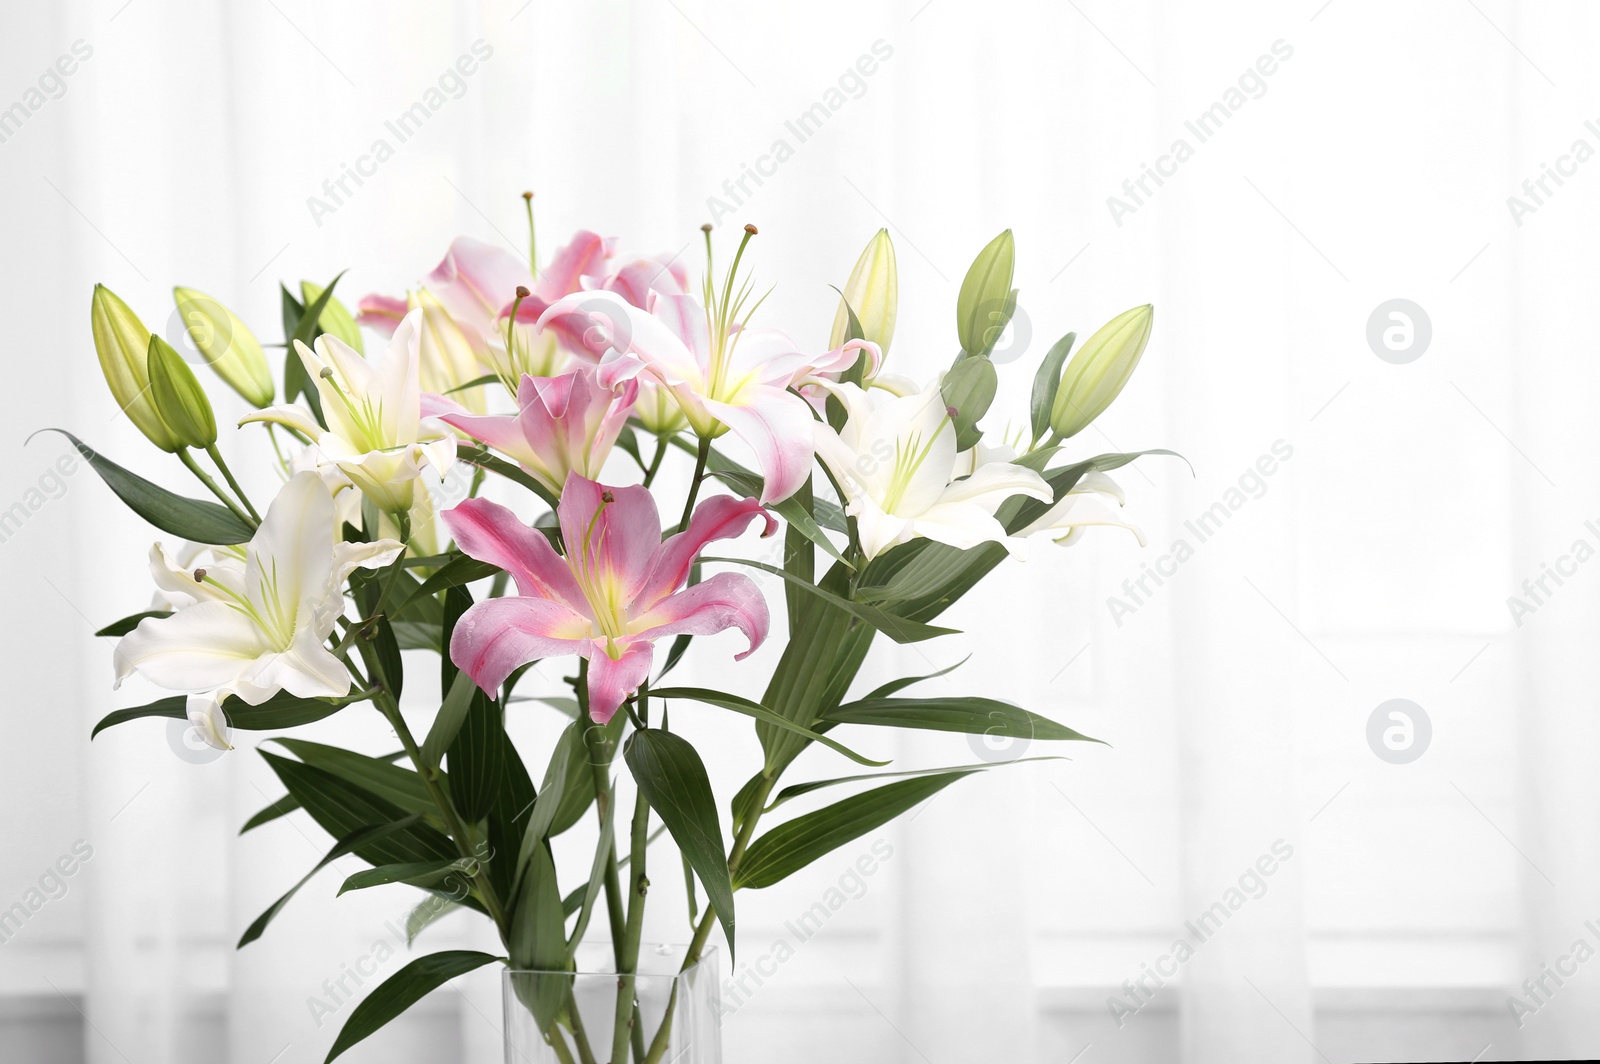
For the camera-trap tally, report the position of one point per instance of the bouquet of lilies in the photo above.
(564, 389)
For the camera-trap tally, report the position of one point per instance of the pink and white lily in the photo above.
(614, 593)
(476, 286)
(724, 378)
(566, 424)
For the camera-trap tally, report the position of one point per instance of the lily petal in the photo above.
(726, 600)
(491, 533)
(719, 517)
(776, 425)
(610, 544)
(612, 680)
(496, 636)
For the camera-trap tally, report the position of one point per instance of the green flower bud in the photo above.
(227, 344)
(335, 317)
(1095, 375)
(873, 292)
(122, 342)
(179, 399)
(985, 304)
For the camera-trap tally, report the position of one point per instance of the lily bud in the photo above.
(179, 399)
(985, 304)
(123, 344)
(227, 344)
(873, 292)
(1095, 375)
(657, 410)
(335, 317)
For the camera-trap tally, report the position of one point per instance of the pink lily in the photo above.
(610, 598)
(564, 424)
(725, 378)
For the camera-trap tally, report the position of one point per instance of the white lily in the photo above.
(376, 433)
(260, 628)
(1081, 509)
(897, 463)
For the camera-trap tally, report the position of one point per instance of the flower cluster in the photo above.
(487, 485)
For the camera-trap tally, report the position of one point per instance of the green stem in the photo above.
(741, 842)
(702, 454)
(458, 832)
(216, 456)
(579, 1035)
(655, 461)
(626, 1022)
(556, 1042)
(600, 767)
(187, 459)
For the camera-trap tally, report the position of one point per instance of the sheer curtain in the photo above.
(1348, 534)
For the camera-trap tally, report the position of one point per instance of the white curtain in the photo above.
(1349, 534)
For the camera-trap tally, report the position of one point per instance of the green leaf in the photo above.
(968, 389)
(818, 664)
(582, 900)
(900, 629)
(1018, 512)
(416, 635)
(761, 713)
(673, 780)
(349, 844)
(402, 990)
(457, 601)
(476, 382)
(474, 759)
(377, 776)
(282, 807)
(295, 381)
(282, 710)
(1045, 383)
(794, 844)
(336, 319)
(798, 556)
(579, 793)
(194, 519)
(509, 815)
(426, 914)
(484, 460)
(798, 789)
(538, 940)
(454, 573)
(569, 749)
(342, 808)
(792, 510)
(979, 716)
(447, 722)
(896, 686)
(130, 622)
(411, 873)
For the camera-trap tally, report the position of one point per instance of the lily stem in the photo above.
(216, 456)
(480, 871)
(741, 842)
(205, 478)
(626, 1017)
(702, 455)
(655, 461)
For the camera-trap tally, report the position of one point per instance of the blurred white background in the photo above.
(1406, 502)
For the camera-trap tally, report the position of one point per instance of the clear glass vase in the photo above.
(572, 1017)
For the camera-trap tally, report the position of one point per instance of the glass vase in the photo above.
(573, 1017)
